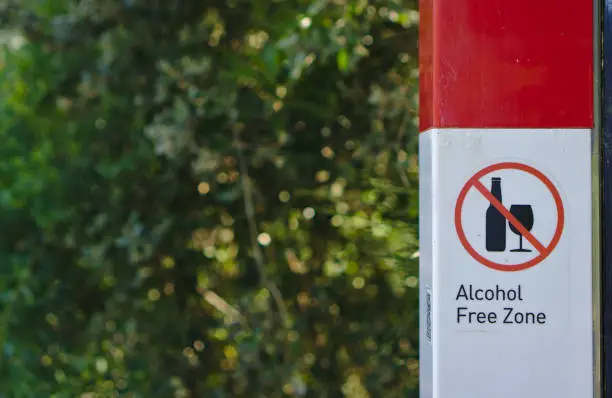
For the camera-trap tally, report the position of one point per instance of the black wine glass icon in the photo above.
(524, 214)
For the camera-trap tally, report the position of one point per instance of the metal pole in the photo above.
(606, 198)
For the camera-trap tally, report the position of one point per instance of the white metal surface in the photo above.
(492, 328)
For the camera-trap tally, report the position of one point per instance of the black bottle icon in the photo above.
(495, 222)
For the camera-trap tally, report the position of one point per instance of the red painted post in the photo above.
(500, 63)
(507, 104)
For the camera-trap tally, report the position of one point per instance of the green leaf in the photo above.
(342, 59)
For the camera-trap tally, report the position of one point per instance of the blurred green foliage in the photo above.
(208, 199)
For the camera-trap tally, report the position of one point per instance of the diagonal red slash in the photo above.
(511, 219)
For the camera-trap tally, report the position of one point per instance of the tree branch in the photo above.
(249, 209)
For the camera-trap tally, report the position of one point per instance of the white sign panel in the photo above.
(506, 270)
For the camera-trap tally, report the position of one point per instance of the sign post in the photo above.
(606, 215)
(508, 175)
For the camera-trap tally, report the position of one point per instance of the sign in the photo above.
(487, 239)
(506, 120)
(506, 261)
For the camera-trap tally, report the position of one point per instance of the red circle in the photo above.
(540, 176)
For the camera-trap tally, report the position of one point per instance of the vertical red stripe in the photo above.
(500, 63)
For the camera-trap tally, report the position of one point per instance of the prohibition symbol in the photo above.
(515, 223)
